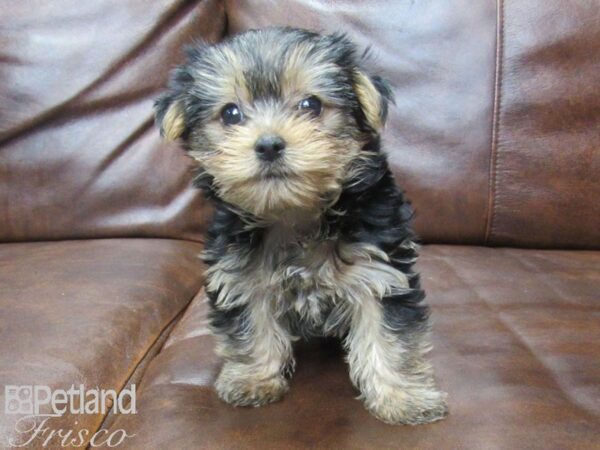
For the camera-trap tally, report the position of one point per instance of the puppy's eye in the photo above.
(311, 104)
(231, 114)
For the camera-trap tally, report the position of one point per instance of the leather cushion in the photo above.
(516, 346)
(87, 312)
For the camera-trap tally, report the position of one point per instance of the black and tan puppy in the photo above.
(310, 234)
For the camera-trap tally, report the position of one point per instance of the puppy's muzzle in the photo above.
(269, 147)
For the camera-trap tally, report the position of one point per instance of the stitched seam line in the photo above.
(493, 179)
(159, 341)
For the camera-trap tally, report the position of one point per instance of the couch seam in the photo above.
(225, 30)
(164, 332)
(493, 164)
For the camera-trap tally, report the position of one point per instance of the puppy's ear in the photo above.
(374, 95)
(169, 108)
(169, 116)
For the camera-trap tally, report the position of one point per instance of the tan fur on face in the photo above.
(226, 84)
(319, 150)
(306, 71)
(314, 163)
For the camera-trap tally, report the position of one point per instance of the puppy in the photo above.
(310, 235)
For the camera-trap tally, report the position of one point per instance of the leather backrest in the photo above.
(494, 136)
(496, 131)
(79, 153)
(545, 184)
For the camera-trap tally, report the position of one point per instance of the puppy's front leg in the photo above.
(387, 365)
(257, 352)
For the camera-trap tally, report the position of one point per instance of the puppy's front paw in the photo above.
(412, 406)
(240, 386)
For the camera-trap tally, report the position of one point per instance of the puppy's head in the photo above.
(278, 119)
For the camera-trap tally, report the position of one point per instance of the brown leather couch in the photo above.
(495, 136)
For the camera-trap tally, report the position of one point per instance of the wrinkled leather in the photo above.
(79, 154)
(516, 342)
(87, 312)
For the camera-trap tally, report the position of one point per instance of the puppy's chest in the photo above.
(315, 283)
(305, 280)
(303, 277)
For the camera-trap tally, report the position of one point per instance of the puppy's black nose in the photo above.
(269, 147)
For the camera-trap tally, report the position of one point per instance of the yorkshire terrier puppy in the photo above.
(310, 234)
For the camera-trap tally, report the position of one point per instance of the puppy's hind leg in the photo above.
(386, 343)
(257, 351)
